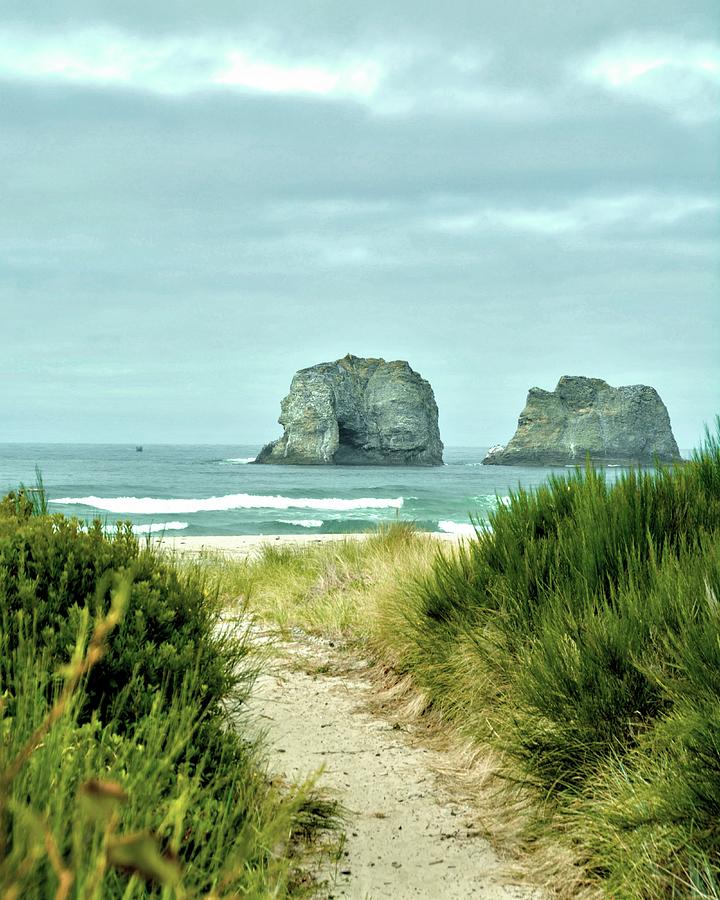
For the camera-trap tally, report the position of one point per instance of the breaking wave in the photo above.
(492, 500)
(450, 527)
(240, 460)
(159, 506)
(152, 528)
(304, 523)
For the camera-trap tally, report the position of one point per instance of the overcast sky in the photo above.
(200, 198)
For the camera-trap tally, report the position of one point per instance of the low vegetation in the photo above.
(579, 636)
(125, 769)
(340, 588)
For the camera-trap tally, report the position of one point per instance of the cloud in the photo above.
(390, 79)
(358, 79)
(678, 75)
(637, 211)
(178, 65)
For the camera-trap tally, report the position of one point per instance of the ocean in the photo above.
(207, 489)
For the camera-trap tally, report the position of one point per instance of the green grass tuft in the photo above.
(593, 609)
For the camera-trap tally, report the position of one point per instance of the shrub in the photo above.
(133, 775)
(113, 812)
(52, 567)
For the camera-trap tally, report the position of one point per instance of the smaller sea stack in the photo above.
(587, 417)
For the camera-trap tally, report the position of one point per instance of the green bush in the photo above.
(122, 769)
(51, 568)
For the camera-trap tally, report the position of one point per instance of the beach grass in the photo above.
(578, 639)
(340, 588)
(127, 766)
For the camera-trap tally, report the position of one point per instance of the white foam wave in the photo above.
(159, 506)
(450, 527)
(304, 523)
(492, 500)
(240, 460)
(152, 527)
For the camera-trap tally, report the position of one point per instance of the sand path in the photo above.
(407, 837)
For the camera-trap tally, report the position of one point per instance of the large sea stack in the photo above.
(357, 412)
(586, 417)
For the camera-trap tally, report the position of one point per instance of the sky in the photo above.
(198, 199)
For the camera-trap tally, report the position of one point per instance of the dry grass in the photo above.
(340, 588)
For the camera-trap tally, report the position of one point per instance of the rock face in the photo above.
(615, 426)
(357, 412)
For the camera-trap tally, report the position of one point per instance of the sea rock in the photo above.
(586, 416)
(357, 412)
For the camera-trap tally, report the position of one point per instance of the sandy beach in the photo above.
(247, 545)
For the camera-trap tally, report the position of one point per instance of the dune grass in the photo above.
(126, 765)
(338, 588)
(579, 637)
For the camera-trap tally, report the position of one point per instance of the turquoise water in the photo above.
(212, 489)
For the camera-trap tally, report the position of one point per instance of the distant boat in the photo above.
(139, 449)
